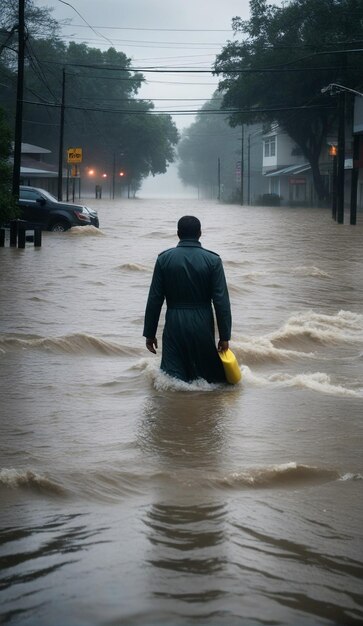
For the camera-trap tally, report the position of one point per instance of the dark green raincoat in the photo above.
(190, 278)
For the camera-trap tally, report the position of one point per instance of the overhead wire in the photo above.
(82, 18)
(186, 112)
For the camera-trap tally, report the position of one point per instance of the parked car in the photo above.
(38, 206)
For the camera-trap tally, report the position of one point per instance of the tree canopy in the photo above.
(205, 141)
(8, 209)
(282, 59)
(103, 114)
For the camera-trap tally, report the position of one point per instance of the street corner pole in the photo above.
(19, 101)
(242, 163)
(334, 198)
(354, 183)
(61, 139)
(341, 158)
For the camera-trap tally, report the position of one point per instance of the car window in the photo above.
(48, 195)
(29, 194)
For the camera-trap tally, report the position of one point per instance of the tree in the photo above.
(102, 112)
(8, 209)
(205, 141)
(39, 20)
(287, 56)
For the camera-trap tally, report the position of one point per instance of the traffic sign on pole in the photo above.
(74, 155)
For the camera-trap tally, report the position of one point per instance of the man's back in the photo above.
(187, 272)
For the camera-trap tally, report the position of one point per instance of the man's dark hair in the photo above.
(189, 227)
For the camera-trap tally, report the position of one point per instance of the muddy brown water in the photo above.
(130, 498)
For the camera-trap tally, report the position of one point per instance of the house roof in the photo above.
(29, 148)
(292, 169)
(37, 172)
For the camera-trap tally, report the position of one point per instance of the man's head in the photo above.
(189, 227)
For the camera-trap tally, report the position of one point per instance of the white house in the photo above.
(283, 164)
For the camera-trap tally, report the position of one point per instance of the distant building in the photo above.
(288, 173)
(35, 171)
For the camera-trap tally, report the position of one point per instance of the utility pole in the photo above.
(113, 175)
(341, 157)
(61, 138)
(335, 175)
(19, 100)
(219, 178)
(242, 164)
(354, 186)
(249, 170)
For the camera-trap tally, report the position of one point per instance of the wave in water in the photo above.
(14, 479)
(111, 484)
(316, 381)
(78, 343)
(261, 350)
(301, 270)
(134, 267)
(345, 326)
(302, 328)
(284, 474)
(85, 231)
(163, 382)
(310, 270)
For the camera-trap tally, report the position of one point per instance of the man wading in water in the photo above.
(190, 278)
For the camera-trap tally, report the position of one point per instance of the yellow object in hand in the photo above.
(231, 367)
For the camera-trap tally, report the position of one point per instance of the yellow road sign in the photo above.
(74, 155)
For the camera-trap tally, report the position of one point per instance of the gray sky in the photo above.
(150, 32)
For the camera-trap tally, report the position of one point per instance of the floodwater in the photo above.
(128, 498)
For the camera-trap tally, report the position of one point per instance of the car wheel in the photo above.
(59, 227)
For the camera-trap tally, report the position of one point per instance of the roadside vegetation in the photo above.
(103, 114)
(273, 72)
(8, 208)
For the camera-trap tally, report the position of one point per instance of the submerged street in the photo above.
(128, 497)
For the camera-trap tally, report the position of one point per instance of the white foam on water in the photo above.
(286, 474)
(85, 231)
(15, 479)
(345, 326)
(134, 267)
(316, 381)
(309, 270)
(351, 476)
(261, 349)
(163, 382)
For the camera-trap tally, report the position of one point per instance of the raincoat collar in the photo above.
(190, 242)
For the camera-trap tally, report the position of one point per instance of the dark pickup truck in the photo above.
(40, 208)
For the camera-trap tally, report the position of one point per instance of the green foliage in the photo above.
(297, 50)
(102, 112)
(39, 20)
(8, 208)
(210, 137)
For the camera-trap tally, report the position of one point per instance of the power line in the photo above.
(155, 70)
(169, 30)
(156, 43)
(187, 111)
(82, 18)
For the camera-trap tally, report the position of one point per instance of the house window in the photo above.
(270, 147)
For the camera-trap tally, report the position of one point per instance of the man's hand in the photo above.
(223, 346)
(150, 343)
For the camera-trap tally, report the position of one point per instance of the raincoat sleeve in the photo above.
(221, 302)
(154, 303)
